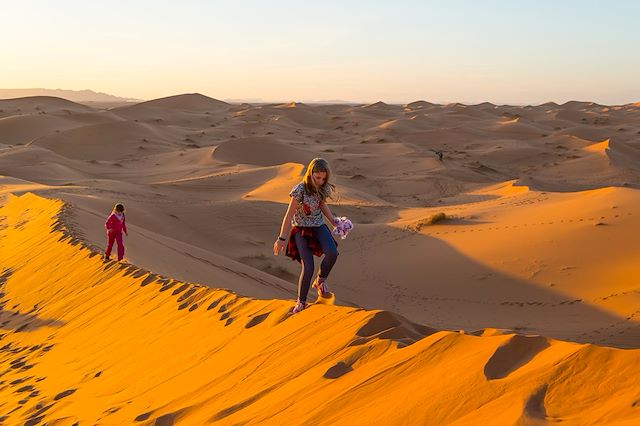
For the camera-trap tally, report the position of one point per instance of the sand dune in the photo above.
(188, 102)
(600, 147)
(522, 235)
(40, 105)
(37, 164)
(420, 105)
(151, 349)
(20, 130)
(260, 151)
(108, 141)
(188, 110)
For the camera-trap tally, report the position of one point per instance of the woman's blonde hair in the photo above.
(319, 165)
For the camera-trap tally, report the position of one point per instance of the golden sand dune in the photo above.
(89, 342)
(558, 243)
(462, 223)
(277, 188)
(292, 105)
(600, 147)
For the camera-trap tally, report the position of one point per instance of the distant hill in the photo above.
(81, 96)
(185, 101)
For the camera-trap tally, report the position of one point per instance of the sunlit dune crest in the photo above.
(511, 187)
(292, 105)
(513, 121)
(277, 189)
(598, 147)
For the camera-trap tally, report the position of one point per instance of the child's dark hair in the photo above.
(119, 208)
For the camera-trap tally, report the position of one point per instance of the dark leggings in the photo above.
(330, 251)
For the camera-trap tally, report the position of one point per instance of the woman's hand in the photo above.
(278, 246)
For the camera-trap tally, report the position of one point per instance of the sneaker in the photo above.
(320, 284)
(299, 307)
(106, 258)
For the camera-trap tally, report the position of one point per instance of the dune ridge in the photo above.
(84, 341)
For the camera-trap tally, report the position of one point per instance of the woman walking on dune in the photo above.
(304, 228)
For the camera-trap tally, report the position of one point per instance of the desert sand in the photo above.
(498, 285)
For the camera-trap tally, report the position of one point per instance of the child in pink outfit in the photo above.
(115, 225)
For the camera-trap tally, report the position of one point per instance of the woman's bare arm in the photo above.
(327, 213)
(278, 246)
(286, 221)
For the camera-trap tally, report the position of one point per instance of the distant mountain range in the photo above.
(72, 95)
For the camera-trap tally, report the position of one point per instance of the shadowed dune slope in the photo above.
(95, 343)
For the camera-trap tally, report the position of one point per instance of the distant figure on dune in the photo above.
(115, 225)
(303, 226)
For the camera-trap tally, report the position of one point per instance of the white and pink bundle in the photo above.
(343, 226)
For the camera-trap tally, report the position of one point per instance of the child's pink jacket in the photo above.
(114, 224)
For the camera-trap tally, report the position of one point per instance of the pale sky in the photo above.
(467, 51)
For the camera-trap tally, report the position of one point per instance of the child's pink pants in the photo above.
(114, 236)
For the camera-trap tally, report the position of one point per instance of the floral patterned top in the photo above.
(308, 211)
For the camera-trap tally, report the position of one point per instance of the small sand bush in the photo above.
(427, 221)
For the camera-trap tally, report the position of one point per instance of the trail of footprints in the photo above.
(600, 222)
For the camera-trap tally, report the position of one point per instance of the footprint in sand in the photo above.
(187, 294)
(64, 394)
(168, 286)
(27, 388)
(148, 280)
(339, 369)
(143, 417)
(256, 320)
(180, 289)
(213, 304)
